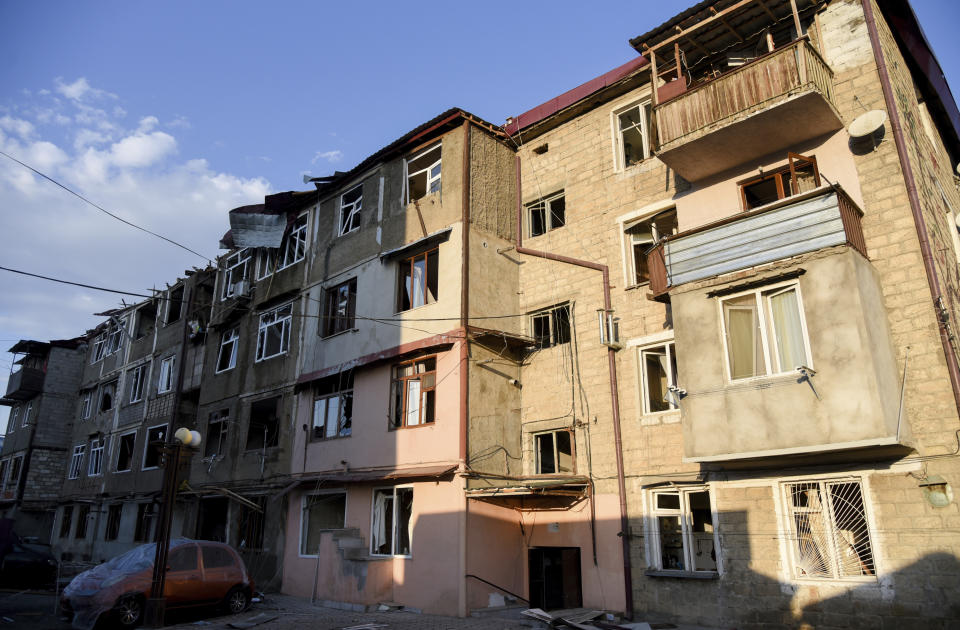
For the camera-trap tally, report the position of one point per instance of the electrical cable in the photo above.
(101, 209)
(76, 284)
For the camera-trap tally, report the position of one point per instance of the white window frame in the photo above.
(322, 403)
(673, 400)
(14, 419)
(230, 337)
(139, 378)
(133, 457)
(548, 215)
(432, 180)
(76, 461)
(304, 524)
(95, 461)
(785, 506)
(294, 247)
(221, 417)
(99, 345)
(25, 421)
(270, 318)
(769, 349)
(266, 262)
(16, 464)
(146, 446)
(236, 269)
(619, 158)
(115, 337)
(350, 211)
(86, 404)
(396, 524)
(538, 465)
(165, 382)
(653, 540)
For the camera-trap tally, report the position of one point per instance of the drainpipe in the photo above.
(614, 394)
(464, 362)
(928, 265)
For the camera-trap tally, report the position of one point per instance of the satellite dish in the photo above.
(867, 124)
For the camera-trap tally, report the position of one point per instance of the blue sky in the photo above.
(172, 113)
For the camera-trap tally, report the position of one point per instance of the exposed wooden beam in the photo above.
(766, 10)
(796, 18)
(727, 24)
(690, 40)
(702, 23)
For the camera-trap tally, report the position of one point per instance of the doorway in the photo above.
(555, 578)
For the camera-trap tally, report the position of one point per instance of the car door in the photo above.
(184, 578)
(219, 569)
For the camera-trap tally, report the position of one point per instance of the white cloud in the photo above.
(17, 126)
(330, 156)
(80, 90)
(148, 123)
(142, 149)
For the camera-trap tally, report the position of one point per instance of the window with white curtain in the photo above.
(392, 522)
(765, 332)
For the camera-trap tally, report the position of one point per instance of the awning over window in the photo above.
(381, 474)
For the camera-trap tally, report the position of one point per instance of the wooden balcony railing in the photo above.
(746, 88)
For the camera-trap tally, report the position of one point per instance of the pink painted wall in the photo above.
(429, 579)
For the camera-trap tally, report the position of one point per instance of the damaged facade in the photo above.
(674, 343)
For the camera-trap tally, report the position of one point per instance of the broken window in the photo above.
(146, 320)
(551, 327)
(333, 407)
(320, 513)
(3, 474)
(227, 358)
(141, 532)
(216, 438)
(683, 531)
(76, 461)
(264, 430)
(765, 332)
(83, 516)
(658, 372)
(26, 415)
(423, 174)
(546, 214)
(95, 463)
(250, 524)
(86, 403)
(212, 519)
(108, 394)
(294, 246)
(115, 336)
(12, 422)
(392, 521)
(174, 304)
(632, 124)
(273, 335)
(418, 280)
(555, 452)
(340, 307)
(641, 236)
(414, 392)
(266, 262)
(800, 175)
(236, 274)
(830, 537)
(66, 521)
(137, 378)
(125, 451)
(114, 513)
(165, 383)
(99, 348)
(15, 468)
(351, 203)
(153, 449)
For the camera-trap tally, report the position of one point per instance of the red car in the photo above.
(199, 573)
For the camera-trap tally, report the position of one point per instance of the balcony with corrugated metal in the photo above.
(736, 84)
(804, 223)
(25, 383)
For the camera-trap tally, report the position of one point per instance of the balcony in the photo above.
(25, 383)
(814, 220)
(764, 106)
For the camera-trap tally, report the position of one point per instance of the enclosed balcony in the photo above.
(803, 223)
(25, 383)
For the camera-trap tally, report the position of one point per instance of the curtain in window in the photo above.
(785, 317)
(743, 339)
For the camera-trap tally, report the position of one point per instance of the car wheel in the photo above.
(237, 600)
(129, 611)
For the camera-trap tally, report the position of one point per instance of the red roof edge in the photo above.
(570, 97)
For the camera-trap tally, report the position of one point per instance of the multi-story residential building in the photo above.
(139, 381)
(783, 294)
(40, 394)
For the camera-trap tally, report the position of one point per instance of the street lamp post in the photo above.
(172, 450)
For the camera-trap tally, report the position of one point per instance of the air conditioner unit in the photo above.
(609, 329)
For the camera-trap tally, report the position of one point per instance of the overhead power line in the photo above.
(76, 284)
(101, 209)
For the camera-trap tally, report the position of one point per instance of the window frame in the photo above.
(146, 511)
(266, 262)
(285, 321)
(115, 336)
(339, 317)
(111, 530)
(431, 181)
(783, 176)
(231, 337)
(16, 471)
(353, 210)
(66, 521)
(555, 336)
(95, 461)
(99, 347)
(137, 384)
(393, 519)
(407, 269)
(654, 548)
(133, 450)
(305, 523)
(671, 354)
(768, 348)
(401, 384)
(646, 109)
(86, 404)
(538, 465)
(25, 419)
(295, 241)
(221, 417)
(180, 290)
(344, 425)
(76, 461)
(146, 447)
(545, 204)
(4, 466)
(240, 261)
(165, 374)
(827, 509)
(632, 241)
(104, 389)
(14, 419)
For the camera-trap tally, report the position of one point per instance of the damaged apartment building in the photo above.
(679, 342)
